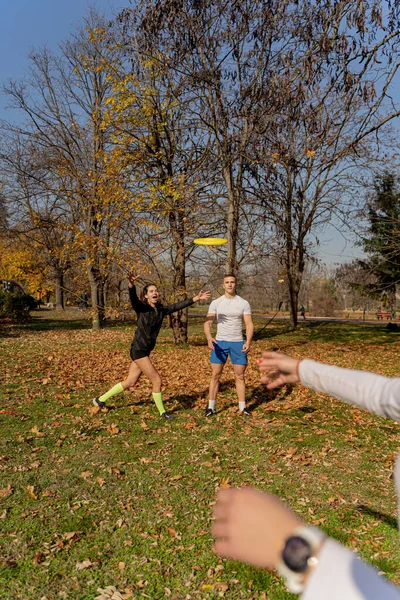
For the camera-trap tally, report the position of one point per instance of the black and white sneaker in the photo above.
(167, 416)
(99, 403)
(245, 412)
(210, 412)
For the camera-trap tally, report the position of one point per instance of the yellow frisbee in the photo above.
(209, 241)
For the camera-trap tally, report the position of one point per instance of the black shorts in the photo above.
(136, 354)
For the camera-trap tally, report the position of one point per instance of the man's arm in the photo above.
(341, 574)
(248, 321)
(207, 330)
(252, 526)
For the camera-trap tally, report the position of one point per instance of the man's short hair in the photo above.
(230, 275)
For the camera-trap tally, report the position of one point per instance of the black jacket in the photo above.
(150, 319)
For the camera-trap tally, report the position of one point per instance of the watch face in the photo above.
(296, 553)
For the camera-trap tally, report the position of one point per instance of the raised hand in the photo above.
(286, 369)
(202, 296)
(132, 278)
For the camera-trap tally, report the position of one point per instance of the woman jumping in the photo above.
(150, 314)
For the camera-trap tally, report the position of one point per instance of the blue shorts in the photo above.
(222, 350)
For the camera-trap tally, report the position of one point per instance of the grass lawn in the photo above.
(119, 500)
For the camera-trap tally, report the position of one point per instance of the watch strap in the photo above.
(295, 582)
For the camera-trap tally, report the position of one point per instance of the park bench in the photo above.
(380, 315)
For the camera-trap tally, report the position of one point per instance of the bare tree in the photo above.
(165, 152)
(290, 92)
(63, 101)
(218, 53)
(337, 68)
(38, 217)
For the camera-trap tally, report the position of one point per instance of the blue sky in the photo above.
(26, 24)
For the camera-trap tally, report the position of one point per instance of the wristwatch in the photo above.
(299, 555)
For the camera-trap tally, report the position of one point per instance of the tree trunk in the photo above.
(232, 222)
(59, 284)
(96, 300)
(179, 320)
(294, 264)
(105, 294)
(179, 324)
(294, 303)
(118, 297)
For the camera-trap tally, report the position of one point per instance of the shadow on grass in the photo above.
(285, 328)
(307, 409)
(39, 324)
(388, 519)
(8, 332)
(266, 334)
(185, 400)
(327, 331)
(260, 395)
(188, 401)
(198, 341)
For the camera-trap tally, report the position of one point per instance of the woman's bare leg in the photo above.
(133, 376)
(147, 367)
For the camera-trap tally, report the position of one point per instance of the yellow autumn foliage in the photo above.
(24, 265)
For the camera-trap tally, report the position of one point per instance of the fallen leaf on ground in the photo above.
(31, 491)
(113, 429)
(86, 564)
(6, 492)
(38, 558)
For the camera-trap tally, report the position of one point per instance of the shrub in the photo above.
(14, 305)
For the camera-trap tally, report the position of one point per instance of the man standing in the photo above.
(230, 311)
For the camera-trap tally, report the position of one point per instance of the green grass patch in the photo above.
(122, 499)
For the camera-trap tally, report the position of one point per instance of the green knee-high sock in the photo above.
(159, 403)
(117, 389)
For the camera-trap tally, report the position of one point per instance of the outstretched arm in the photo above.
(171, 308)
(376, 393)
(283, 369)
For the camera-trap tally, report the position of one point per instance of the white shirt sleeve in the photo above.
(212, 309)
(247, 308)
(341, 575)
(377, 394)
